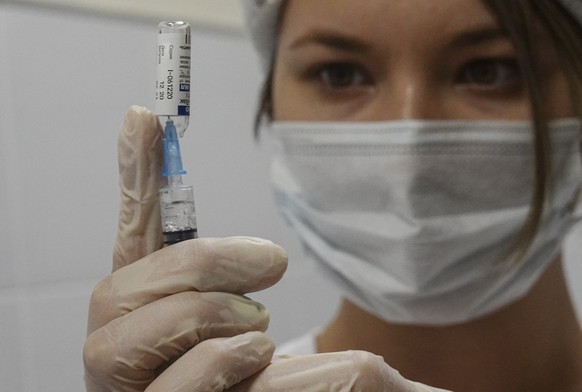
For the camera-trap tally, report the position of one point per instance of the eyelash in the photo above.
(356, 75)
(506, 75)
(505, 69)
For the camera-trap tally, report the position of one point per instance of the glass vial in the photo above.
(173, 74)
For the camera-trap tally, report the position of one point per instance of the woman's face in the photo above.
(402, 59)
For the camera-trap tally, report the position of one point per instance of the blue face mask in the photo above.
(415, 221)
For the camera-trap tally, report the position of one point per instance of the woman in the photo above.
(430, 163)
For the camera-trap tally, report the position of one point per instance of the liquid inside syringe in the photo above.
(176, 199)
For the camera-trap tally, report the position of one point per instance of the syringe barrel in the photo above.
(173, 74)
(178, 213)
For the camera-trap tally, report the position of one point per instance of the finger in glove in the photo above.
(139, 150)
(345, 371)
(226, 362)
(133, 349)
(237, 265)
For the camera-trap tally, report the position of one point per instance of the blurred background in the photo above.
(68, 72)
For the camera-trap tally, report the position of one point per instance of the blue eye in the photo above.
(495, 73)
(342, 76)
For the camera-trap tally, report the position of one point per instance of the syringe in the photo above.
(173, 108)
(176, 199)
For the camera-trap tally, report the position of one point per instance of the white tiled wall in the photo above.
(65, 82)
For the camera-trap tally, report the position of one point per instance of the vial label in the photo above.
(173, 79)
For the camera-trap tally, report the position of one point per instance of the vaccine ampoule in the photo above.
(173, 74)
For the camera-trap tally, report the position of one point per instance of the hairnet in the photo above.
(262, 17)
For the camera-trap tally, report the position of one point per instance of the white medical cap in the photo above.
(262, 17)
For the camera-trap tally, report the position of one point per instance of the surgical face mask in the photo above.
(414, 220)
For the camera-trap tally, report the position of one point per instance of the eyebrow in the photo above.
(342, 42)
(479, 36)
(331, 40)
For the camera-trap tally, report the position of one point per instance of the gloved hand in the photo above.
(174, 319)
(346, 371)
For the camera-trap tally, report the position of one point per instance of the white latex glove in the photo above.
(174, 319)
(345, 371)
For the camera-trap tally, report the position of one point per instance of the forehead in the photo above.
(380, 18)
